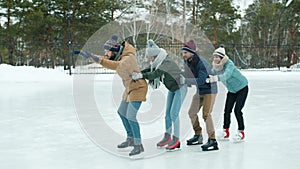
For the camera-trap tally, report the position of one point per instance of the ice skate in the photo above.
(224, 135)
(197, 139)
(127, 145)
(137, 152)
(210, 145)
(165, 141)
(239, 137)
(174, 144)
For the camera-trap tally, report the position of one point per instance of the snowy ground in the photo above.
(49, 120)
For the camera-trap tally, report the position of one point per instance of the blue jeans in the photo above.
(127, 112)
(174, 102)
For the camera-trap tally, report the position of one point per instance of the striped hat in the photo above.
(112, 44)
(190, 47)
(220, 52)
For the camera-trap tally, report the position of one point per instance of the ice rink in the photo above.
(49, 120)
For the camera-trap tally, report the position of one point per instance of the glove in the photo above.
(89, 55)
(136, 76)
(213, 79)
(182, 79)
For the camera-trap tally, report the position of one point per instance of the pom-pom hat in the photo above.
(152, 48)
(112, 44)
(220, 52)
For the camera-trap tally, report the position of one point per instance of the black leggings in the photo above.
(239, 99)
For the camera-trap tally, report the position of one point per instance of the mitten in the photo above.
(89, 55)
(136, 76)
(213, 79)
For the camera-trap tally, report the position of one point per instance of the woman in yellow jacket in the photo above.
(121, 57)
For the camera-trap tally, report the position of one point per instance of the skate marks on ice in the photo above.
(237, 141)
(230, 140)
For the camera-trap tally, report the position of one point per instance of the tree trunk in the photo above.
(9, 38)
(215, 42)
(194, 12)
(184, 20)
(112, 9)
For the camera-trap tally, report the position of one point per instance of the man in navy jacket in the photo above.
(197, 71)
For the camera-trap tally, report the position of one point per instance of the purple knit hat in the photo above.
(190, 46)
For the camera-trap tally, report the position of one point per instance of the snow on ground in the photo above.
(10, 73)
(50, 120)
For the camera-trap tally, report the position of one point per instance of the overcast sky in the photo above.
(243, 4)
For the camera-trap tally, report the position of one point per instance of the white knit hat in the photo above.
(220, 52)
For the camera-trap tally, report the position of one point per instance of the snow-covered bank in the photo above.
(10, 73)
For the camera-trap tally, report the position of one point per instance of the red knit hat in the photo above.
(190, 46)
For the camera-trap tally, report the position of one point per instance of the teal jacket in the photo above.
(231, 77)
(171, 73)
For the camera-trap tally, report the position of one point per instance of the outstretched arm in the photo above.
(91, 56)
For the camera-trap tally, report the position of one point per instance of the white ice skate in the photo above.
(239, 137)
(224, 135)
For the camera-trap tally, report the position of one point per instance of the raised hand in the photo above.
(89, 55)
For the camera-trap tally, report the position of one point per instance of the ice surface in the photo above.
(49, 120)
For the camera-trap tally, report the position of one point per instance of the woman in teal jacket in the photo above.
(237, 86)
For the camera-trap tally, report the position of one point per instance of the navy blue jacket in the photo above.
(196, 71)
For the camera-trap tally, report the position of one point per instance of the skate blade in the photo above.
(161, 147)
(210, 149)
(224, 139)
(125, 149)
(173, 149)
(138, 156)
(238, 140)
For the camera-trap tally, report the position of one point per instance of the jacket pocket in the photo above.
(136, 84)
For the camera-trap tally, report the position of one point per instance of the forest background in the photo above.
(45, 33)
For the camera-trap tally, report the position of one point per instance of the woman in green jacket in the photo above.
(164, 69)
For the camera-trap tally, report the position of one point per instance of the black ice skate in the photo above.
(210, 145)
(126, 145)
(137, 152)
(197, 139)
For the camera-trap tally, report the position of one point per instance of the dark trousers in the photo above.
(238, 99)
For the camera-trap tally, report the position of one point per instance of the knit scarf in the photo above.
(220, 66)
(155, 65)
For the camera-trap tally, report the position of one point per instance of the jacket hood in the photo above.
(127, 50)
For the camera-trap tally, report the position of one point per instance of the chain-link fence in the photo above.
(270, 56)
(243, 55)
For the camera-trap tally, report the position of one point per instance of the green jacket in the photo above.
(171, 73)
